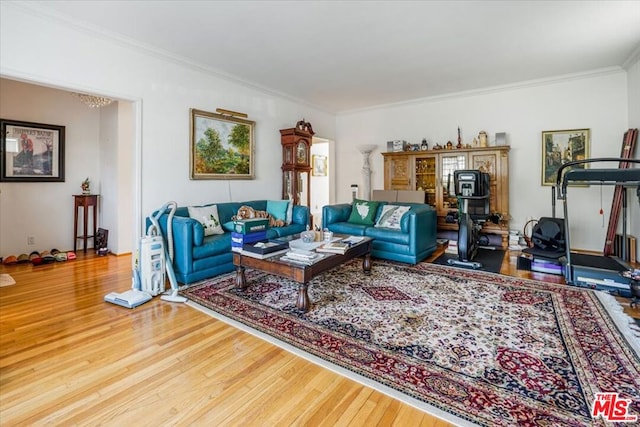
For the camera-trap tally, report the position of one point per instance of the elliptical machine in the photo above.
(472, 190)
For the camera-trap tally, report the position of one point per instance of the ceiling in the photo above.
(348, 55)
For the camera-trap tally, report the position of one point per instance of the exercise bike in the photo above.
(472, 191)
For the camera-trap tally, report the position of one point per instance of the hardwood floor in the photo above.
(67, 357)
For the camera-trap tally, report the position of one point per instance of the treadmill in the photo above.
(598, 271)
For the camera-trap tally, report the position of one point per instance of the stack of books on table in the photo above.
(264, 249)
(334, 247)
(238, 240)
(301, 257)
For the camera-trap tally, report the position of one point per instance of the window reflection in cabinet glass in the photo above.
(288, 190)
(449, 165)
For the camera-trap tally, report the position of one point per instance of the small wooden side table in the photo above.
(85, 201)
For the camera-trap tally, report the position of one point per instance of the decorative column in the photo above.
(366, 150)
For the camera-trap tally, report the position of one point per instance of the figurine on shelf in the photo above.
(449, 145)
(437, 147)
(482, 136)
(86, 186)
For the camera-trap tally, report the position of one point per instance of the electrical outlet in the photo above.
(31, 240)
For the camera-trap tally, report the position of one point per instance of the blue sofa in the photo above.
(197, 257)
(413, 242)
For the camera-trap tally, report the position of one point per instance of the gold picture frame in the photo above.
(221, 146)
(319, 165)
(560, 147)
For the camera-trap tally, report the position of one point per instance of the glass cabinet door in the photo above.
(449, 163)
(426, 178)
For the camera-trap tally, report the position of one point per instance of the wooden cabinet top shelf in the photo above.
(445, 151)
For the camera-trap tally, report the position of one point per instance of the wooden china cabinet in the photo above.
(296, 163)
(431, 171)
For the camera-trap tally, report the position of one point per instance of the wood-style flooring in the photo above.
(69, 358)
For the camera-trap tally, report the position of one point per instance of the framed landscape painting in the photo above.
(222, 146)
(560, 147)
(31, 152)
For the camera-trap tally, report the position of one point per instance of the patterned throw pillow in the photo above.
(363, 212)
(208, 217)
(391, 215)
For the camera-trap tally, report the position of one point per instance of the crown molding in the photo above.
(632, 59)
(492, 89)
(43, 11)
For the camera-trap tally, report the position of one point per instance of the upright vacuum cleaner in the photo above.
(155, 255)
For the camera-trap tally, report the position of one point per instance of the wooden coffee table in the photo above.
(300, 273)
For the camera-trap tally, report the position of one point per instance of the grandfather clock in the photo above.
(296, 163)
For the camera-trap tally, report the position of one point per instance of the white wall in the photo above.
(62, 55)
(597, 102)
(45, 210)
(117, 140)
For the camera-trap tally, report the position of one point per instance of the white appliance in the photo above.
(154, 259)
(152, 265)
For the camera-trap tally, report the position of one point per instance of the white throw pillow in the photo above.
(391, 215)
(208, 217)
(289, 219)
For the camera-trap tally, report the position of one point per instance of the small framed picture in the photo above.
(560, 147)
(399, 145)
(319, 167)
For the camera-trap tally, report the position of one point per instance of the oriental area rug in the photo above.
(470, 347)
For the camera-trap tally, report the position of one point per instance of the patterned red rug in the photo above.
(470, 347)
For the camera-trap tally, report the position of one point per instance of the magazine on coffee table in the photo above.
(265, 247)
(302, 257)
(263, 256)
(334, 247)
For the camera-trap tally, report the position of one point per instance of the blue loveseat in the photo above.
(413, 242)
(197, 257)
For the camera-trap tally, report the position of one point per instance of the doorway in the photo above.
(322, 178)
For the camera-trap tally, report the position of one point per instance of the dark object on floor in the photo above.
(491, 260)
(548, 235)
(102, 239)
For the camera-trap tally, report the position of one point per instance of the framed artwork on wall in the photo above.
(221, 146)
(319, 166)
(560, 147)
(31, 152)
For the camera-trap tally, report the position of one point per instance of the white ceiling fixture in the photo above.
(346, 55)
